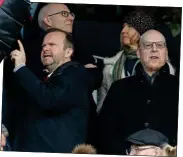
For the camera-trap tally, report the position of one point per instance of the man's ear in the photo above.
(47, 21)
(138, 52)
(69, 53)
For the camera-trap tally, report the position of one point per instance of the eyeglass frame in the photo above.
(137, 149)
(152, 43)
(61, 12)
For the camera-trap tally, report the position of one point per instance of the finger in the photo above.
(15, 52)
(13, 57)
(21, 46)
(90, 66)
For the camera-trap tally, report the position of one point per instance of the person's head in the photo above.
(56, 15)
(152, 51)
(135, 24)
(146, 142)
(4, 135)
(3, 141)
(84, 149)
(57, 48)
(147, 150)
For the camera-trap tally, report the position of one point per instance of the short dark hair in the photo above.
(68, 42)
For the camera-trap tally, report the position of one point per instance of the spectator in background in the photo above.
(149, 99)
(4, 135)
(122, 64)
(149, 142)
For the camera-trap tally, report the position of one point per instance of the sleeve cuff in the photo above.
(18, 67)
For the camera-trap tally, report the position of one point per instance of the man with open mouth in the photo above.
(149, 99)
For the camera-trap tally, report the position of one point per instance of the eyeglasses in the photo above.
(135, 150)
(149, 45)
(64, 14)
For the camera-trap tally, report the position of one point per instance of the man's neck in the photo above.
(150, 73)
(150, 76)
(51, 69)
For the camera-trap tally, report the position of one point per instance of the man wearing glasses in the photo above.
(59, 16)
(56, 16)
(149, 99)
(146, 142)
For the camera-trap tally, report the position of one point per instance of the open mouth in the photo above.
(154, 57)
(46, 56)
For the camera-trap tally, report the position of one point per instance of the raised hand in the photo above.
(18, 56)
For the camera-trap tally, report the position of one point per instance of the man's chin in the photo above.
(155, 67)
(47, 64)
(67, 29)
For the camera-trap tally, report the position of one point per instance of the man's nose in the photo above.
(45, 48)
(154, 47)
(71, 17)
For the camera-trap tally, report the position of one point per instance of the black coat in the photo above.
(133, 104)
(56, 117)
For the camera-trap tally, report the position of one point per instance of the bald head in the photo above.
(152, 36)
(55, 21)
(153, 52)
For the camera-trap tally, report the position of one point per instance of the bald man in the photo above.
(149, 99)
(56, 16)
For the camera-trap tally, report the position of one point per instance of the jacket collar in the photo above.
(61, 69)
(164, 70)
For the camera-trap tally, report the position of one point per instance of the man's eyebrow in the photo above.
(49, 43)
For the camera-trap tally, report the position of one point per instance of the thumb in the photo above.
(21, 46)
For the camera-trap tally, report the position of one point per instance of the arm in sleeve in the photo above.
(63, 93)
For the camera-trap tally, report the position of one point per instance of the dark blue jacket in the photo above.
(56, 118)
